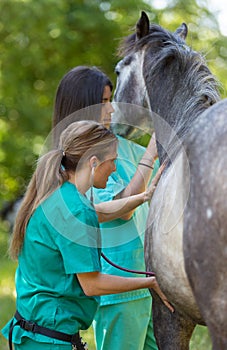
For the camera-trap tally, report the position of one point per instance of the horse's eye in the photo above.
(117, 71)
(117, 68)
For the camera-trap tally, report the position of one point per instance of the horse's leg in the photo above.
(172, 331)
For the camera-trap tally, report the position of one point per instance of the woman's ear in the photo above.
(93, 162)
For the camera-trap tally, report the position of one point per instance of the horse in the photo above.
(186, 235)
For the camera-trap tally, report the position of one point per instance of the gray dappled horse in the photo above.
(186, 238)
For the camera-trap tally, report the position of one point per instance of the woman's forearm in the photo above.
(114, 209)
(119, 208)
(143, 172)
(141, 177)
(96, 283)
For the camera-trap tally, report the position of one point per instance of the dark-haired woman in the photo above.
(85, 93)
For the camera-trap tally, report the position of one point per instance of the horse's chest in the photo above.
(165, 235)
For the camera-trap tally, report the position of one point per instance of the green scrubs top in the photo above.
(122, 240)
(62, 239)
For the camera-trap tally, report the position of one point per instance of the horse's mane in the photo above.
(179, 83)
(175, 74)
(157, 34)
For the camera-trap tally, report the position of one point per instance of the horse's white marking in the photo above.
(123, 81)
(209, 213)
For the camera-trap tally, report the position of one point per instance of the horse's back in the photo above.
(205, 219)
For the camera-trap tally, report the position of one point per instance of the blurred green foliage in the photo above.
(41, 40)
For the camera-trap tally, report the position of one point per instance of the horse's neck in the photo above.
(171, 136)
(177, 101)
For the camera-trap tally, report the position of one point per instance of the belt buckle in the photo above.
(85, 346)
(27, 325)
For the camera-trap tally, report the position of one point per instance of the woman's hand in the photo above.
(157, 289)
(150, 190)
(96, 283)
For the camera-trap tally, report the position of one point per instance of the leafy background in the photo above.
(39, 42)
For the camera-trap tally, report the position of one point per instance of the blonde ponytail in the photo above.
(77, 140)
(47, 177)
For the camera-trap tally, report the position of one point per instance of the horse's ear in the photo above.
(142, 26)
(182, 31)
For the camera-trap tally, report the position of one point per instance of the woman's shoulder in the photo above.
(66, 207)
(74, 199)
(67, 199)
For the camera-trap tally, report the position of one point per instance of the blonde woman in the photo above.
(57, 243)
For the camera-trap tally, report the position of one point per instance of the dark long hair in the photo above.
(79, 88)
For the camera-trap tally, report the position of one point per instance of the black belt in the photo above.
(30, 326)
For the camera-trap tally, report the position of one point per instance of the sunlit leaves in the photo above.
(41, 40)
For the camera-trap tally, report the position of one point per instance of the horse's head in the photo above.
(161, 72)
(146, 41)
